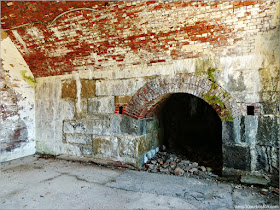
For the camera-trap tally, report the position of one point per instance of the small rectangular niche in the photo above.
(250, 110)
(120, 110)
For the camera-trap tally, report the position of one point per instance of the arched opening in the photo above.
(192, 128)
(210, 111)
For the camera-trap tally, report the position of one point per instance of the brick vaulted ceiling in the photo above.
(58, 37)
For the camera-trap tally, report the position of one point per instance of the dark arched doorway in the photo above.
(192, 128)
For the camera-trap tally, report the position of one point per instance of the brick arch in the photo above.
(146, 102)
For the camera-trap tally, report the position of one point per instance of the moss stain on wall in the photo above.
(202, 66)
(30, 80)
(214, 100)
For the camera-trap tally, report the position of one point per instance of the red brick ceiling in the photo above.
(104, 33)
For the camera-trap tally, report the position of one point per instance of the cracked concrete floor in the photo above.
(33, 183)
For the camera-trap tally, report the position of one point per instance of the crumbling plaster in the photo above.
(17, 104)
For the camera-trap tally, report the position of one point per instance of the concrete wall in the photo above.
(84, 122)
(106, 53)
(75, 117)
(17, 117)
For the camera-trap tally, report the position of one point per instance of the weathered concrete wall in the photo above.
(17, 117)
(251, 143)
(95, 130)
(73, 118)
(109, 51)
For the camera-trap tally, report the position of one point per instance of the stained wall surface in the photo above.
(90, 62)
(17, 117)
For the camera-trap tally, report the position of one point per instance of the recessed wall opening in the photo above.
(120, 110)
(250, 110)
(192, 128)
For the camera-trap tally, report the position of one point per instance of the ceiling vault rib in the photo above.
(73, 10)
(36, 22)
(26, 24)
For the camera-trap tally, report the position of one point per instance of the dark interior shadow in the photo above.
(192, 128)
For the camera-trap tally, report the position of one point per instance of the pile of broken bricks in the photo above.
(171, 164)
(167, 163)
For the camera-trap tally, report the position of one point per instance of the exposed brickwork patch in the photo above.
(146, 102)
(257, 108)
(121, 109)
(121, 34)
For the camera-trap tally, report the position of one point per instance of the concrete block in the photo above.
(127, 146)
(81, 106)
(71, 149)
(41, 90)
(98, 127)
(251, 128)
(101, 105)
(144, 145)
(119, 87)
(115, 146)
(152, 125)
(115, 123)
(233, 131)
(69, 89)
(58, 131)
(129, 126)
(78, 139)
(88, 88)
(236, 156)
(267, 159)
(74, 127)
(102, 146)
(227, 133)
(102, 117)
(141, 127)
(86, 149)
(268, 132)
(66, 109)
(122, 99)
(56, 85)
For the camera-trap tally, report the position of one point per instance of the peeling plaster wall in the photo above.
(17, 117)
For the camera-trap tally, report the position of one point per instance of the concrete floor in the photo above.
(35, 183)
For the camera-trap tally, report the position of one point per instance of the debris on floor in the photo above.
(47, 156)
(252, 179)
(171, 164)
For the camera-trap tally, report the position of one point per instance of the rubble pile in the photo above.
(171, 164)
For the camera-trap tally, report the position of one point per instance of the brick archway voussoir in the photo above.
(145, 101)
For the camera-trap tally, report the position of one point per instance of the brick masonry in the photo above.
(124, 34)
(145, 103)
(88, 63)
